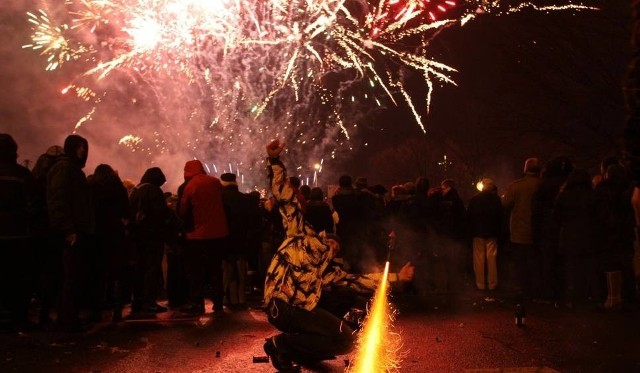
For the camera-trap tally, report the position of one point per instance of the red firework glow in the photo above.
(401, 11)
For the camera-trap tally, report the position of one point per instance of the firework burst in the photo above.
(231, 73)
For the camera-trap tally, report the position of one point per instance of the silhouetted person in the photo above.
(517, 201)
(296, 276)
(484, 216)
(202, 204)
(16, 222)
(72, 217)
(151, 218)
(113, 252)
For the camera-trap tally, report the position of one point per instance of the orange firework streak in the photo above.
(374, 353)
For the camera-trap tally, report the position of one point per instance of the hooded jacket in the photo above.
(202, 204)
(16, 192)
(303, 264)
(148, 207)
(68, 196)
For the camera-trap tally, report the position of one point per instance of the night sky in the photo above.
(528, 84)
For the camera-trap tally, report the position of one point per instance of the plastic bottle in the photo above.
(520, 316)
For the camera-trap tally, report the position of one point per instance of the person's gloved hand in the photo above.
(406, 272)
(274, 148)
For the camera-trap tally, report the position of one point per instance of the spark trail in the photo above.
(225, 75)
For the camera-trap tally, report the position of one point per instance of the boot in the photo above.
(614, 286)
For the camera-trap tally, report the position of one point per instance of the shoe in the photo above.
(278, 360)
(141, 315)
(192, 309)
(158, 308)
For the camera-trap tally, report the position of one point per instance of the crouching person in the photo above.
(299, 270)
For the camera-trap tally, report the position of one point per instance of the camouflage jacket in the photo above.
(303, 265)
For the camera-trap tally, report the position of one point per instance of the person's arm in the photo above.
(284, 193)
(635, 202)
(337, 276)
(278, 173)
(59, 201)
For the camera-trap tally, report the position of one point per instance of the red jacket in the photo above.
(202, 198)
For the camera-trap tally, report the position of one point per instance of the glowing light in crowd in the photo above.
(226, 74)
(376, 351)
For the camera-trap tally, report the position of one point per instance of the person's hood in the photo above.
(71, 145)
(8, 149)
(193, 168)
(153, 176)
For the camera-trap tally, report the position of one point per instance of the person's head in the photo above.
(8, 149)
(345, 181)
(616, 174)
(361, 183)
(104, 172)
(446, 185)
(606, 162)
(578, 178)
(193, 168)
(488, 185)
(532, 166)
(153, 175)
(228, 179)
(378, 189)
(295, 182)
(398, 190)
(558, 167)
(305, 190)
(316, 194)
(77, 147)
(422, 185)
(410, 187)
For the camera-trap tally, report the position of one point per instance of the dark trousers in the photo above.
(551, 279)
(74, 274)
(15, 278)
(148, 272)
(48, 253)
(309, 335)
(203, 259)
(528, 272)
(177, 285)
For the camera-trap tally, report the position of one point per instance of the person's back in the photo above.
(16, 198)
(484, 215)
(69, 201)
(576, 215)
(148, 206)
(72, 220)
(318, 212)
(517, 200)
(201, 203)
(203, 196)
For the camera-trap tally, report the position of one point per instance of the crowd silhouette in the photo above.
(80, 249)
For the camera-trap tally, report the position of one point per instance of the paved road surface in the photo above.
(460, 333)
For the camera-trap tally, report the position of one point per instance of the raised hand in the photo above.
(274, 148)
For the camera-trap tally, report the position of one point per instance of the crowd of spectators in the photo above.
(76, 246)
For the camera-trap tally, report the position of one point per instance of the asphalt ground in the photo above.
(459, 332)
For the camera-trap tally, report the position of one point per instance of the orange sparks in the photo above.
(374, 353)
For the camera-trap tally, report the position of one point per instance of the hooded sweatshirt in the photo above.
(148, 207)
(202, 203)
(16, 192)
(69, 201)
